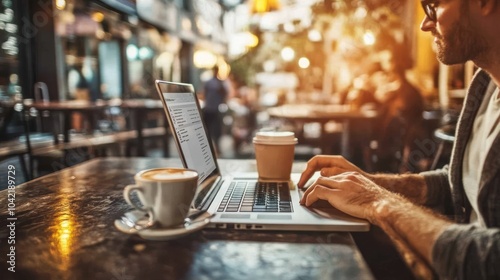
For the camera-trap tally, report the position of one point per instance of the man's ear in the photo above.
(487, 6)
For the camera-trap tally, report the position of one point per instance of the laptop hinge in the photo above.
(214, 186)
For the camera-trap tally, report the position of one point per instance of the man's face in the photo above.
(456, 39)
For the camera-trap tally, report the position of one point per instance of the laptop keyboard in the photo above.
(253, 196)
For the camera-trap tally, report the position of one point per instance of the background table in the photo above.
(64, 230)
(136, 111)
(65, 110)
(139, 108)
(320, 113)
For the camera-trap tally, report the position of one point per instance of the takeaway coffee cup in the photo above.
(274, 152)
(165, 194)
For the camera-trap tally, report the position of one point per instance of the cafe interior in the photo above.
(80, 115)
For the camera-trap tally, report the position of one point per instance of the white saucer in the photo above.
(164, 234)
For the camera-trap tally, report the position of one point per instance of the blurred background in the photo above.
(350, 77)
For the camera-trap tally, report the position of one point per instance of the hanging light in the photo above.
(304, 63)
(287, 54)
(60, 4)
(263, 6)
(204, 59)
(97, 16)
(369, 38)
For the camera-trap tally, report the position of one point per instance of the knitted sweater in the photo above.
(468, 251)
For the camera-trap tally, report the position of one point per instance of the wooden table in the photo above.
(64, 230)
(318, 113)
(65, 109)
(138, 109)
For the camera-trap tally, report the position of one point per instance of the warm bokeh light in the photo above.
(60, 4)
(287, 54)
(98, 16)
(314, 35)
(304, 62)
(262, 6)
(186, 24)
(203, 26)
(100, 34)
(269, 66)
(361, 13)
(204, 59)
(251, 40)
(369, 38)
(165, 58)
(289, 27)
(224, 69)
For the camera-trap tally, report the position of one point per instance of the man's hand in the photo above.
(352, 193)
(328, 166)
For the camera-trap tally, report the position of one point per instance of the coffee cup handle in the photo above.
(126, 194)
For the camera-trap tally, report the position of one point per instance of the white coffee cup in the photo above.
(274, 152)
(165, 193)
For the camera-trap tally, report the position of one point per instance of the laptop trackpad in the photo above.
(325, 210)
(321, 204)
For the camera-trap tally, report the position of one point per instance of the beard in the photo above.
(461, 44)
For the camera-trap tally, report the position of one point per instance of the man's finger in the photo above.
(331, 171)
(308, 190)
(325, 182)
(313, 165)
(319, 192)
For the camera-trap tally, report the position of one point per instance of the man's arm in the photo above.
(467, 252)
(455, 251)
(415, 225)
(411, 186)
(358, 196)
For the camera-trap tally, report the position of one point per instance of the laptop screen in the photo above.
(193, 143)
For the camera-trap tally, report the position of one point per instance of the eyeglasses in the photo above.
(429, 9)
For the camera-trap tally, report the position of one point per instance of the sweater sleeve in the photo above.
(467, 252)
(438, 189)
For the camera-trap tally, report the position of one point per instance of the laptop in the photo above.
(239, 200)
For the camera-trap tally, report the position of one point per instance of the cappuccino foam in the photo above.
(168, 174)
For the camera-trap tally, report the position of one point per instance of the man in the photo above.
(469, 247)
(215, 92)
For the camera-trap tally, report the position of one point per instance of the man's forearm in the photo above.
(419, 227)
(411, 186)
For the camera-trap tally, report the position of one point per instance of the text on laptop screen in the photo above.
(188, 126)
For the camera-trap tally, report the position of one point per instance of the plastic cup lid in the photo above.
(275, 138)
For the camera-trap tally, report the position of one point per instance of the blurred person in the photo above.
(361, 93)
(242, 104)
(400, 107)
(215, 93)
(13, 86)
(360, 96)
(78, 88)
(415, 209)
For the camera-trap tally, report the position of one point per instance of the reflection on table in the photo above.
(319, 113)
